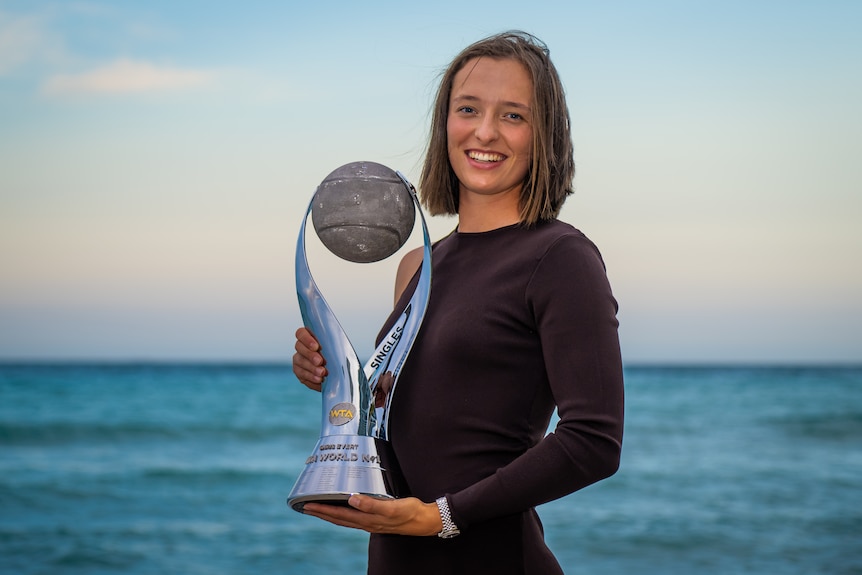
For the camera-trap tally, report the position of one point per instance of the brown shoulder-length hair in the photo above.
(552, 168)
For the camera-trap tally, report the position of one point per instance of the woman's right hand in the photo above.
(309, 365)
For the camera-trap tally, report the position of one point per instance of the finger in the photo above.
(368, 505)
(309, 360)
(342, 516)
(310, 350)
(308, 341)
(308, 357)
(306, 371)
(307, 377)
(304, 363)
(309, 365)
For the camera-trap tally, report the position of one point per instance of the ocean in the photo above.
(184, 469)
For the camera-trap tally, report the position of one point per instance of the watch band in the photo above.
(449, 528)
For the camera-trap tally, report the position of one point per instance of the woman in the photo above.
(521, 320)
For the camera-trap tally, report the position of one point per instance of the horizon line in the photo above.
(274, 362)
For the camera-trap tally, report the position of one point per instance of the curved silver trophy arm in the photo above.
(346, 384)
(384, 365)
(352, 454)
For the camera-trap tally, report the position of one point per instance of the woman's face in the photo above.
(489, 127)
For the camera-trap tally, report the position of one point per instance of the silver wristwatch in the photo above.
(450, 530)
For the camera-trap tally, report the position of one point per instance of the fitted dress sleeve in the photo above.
(575, 317)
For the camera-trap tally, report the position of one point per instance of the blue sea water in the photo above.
(184, 469)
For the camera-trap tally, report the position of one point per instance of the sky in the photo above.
(156, 159)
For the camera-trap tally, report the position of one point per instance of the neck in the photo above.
(484, 214)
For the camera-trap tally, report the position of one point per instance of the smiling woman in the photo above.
(490, 137)
(520, 321)
(535, 95)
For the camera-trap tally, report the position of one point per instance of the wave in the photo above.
(65, 433)
(829, 427)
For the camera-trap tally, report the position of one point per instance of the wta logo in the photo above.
(342, 413)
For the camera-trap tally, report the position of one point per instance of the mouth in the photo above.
(488, 157)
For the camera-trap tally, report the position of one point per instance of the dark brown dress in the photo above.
(520, 321)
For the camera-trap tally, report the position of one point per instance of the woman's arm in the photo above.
(575, 315)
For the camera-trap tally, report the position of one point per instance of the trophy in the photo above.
(362, 212)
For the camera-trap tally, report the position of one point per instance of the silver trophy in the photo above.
(363, 212)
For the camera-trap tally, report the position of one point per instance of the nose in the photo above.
(486, 130)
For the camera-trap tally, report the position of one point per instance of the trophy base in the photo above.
(345, 465)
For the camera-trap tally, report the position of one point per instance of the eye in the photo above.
(466, 110)
(513, 116)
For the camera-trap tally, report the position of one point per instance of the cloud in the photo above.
(126, 77)
(20, 39)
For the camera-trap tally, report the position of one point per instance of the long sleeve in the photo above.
(520, 322)
(575, 317)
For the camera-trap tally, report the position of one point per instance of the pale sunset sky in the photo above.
(156, 159)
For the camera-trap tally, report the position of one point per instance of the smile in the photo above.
(485, 156)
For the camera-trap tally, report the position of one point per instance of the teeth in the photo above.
(485, 157)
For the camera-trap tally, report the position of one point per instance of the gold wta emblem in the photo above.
(342, 413)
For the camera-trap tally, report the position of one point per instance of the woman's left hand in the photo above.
(408, 516)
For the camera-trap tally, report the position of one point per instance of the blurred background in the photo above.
(156, 159)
